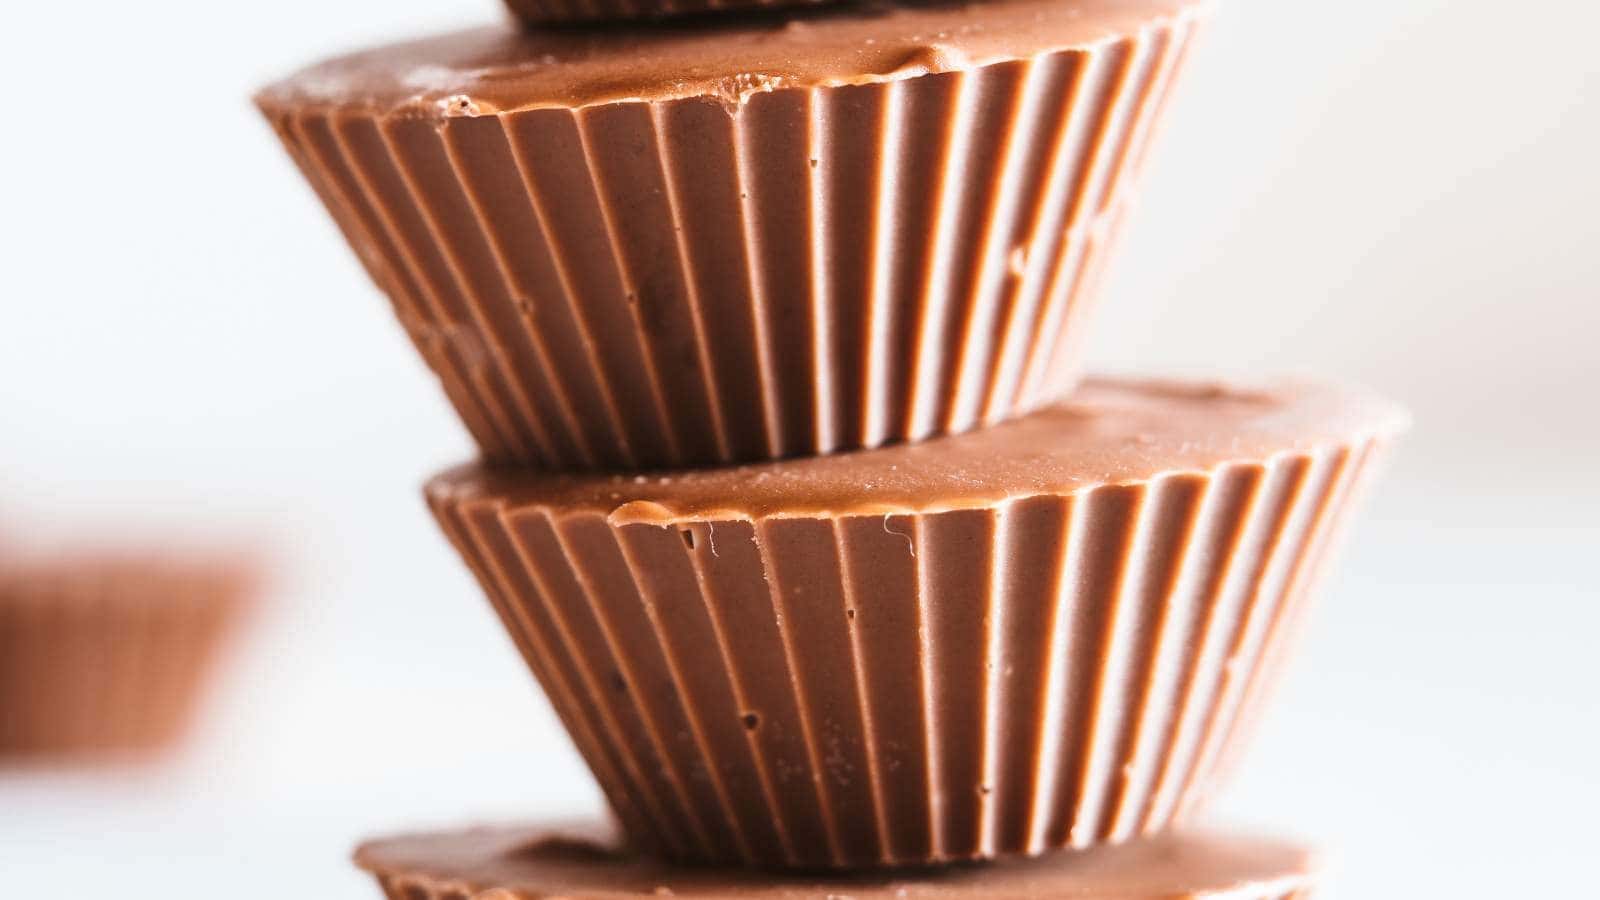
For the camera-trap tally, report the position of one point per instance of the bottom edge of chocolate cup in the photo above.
(528, 862)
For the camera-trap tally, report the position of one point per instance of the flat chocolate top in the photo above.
(1110, 431)
(531, 863)
(501, 69)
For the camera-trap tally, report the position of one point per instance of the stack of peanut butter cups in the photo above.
(768, 321)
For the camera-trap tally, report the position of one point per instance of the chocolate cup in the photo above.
(752, 270)
(527, 863)
(1005, 667)
(536, 12)
(107, 656)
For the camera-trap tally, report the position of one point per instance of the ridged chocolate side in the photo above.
(1287, 628)
(540, 11)
(697, 281)
(103, 675)
(1057, 671)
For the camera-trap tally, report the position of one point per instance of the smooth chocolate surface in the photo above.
(495, 70)
(1042, 635)
(525, 863)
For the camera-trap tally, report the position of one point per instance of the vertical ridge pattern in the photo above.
(808, 582)
(1354, 472)
(734, 584)
(958, 551)
(1105, 532)
(697, 145)
(1314, 480)
(552, 590)
(592, 550)
(1166, 528)
(450, 325)
(1075, 88)
(1004, 252)
(700, 281)
(851, 120)
(443, 210)
(509, 224)
(814, 692)
(315, 145)
(546, 145)
(996, 104)
(1123, 95)
(1263, 515)
(488, 553)
(1218, 526)
(1035, 555)
(718, 692)
(776, 208)
(907, 253)
(816, 238)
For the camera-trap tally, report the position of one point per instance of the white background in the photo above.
(1397, 192)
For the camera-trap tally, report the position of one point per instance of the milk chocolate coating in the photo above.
(529, 863)
(735, 58)
(537, 12)
(107, 655)
(747, 238)
(1043, 634)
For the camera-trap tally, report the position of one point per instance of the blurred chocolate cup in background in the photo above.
(107, 654)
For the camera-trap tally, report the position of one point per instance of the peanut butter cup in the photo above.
(743, 238)
(1038, 635)
(107, 654)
